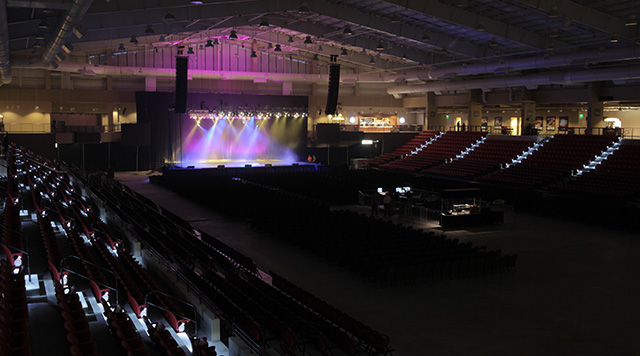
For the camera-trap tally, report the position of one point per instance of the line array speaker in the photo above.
(334, 86)
(182, 64)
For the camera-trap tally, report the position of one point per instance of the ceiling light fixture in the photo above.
(264, 23)
(320, 49)
(307, 40)
(480, 27)
(134, 39)
(169, 16)
(554, 33)
(347, 30)
(79, 31)
(233, 35)
(121, 47)
(632, 20)
(380, 46)
(426, 37)
(67, 47)
(253, 54)
(149, 29)
(39, 36)
(315, 57)
(43, 24)
(494, 42)
(613, 39)
(190, 51)
(277, 49)
(215, 41)
(290, 39)
(372, 60)
(344, 52)
(554, 11)
(161, 39)
(209, 43)
(395, 18)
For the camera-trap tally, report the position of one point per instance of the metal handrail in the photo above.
(62, 268)
(255, 348)
(195, 311)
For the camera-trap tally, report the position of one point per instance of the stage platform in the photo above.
(235, 168)
(232, 163)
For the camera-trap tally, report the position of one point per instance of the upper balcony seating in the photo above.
(488, 156)
(554, 160)
(618, 176)
(445, 147)
(406, 148)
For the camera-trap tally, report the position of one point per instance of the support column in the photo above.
(150, 83)
(47, 79)
(287, 88)
(431, 110)
(595, 110)
(110, 117)
(254, 61)
(527, 115)
(65, 81)
(475, 117)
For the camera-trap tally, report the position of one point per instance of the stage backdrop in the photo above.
(226, 134)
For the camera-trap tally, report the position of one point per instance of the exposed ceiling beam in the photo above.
(101, 26)
(380, 24)
(49, 4)
(461, 17)
(354, 57)
(582, 14)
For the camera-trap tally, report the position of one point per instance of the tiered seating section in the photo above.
(554, 160)
(122, 327)
(618, 176)
(371, 337)
(487, 157)
(14, 316)
(240, 299)
(162, 338)
(445, 147)
(12, 240)
(403, 150)
(75, 322)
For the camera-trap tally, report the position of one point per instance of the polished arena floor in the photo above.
(575, 291)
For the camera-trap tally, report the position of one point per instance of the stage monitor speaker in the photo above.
(334, 86)
(182, 64)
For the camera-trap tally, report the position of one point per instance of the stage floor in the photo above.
(232, 163)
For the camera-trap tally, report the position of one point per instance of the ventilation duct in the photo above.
(5, 66)
(569, 77)
(535, 62)
(64, 29)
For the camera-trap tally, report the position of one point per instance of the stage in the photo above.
(238, 163)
